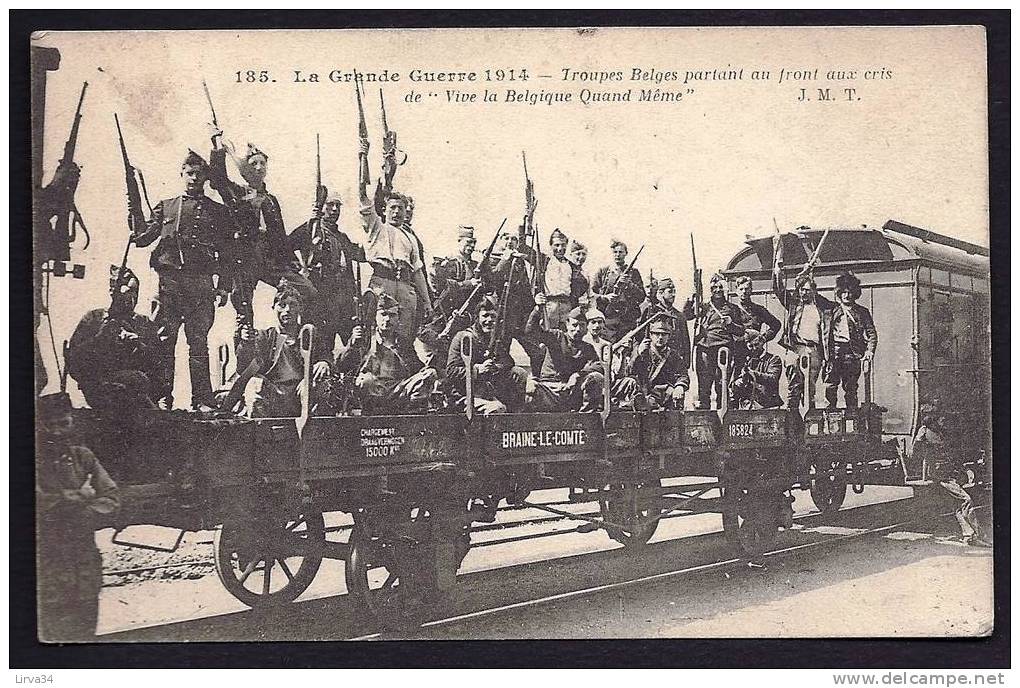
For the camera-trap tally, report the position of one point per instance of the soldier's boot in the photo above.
(201, 386)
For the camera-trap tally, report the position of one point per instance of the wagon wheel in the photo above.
(632, 513)
(392, 570)
(750, 521)
(829, 490)
(264, 562)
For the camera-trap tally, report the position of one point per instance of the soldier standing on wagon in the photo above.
(619, 292)
(259, 248)
(756, 384)
(721, 326)
(194, 233)
(665, 295)
(849, 339)
(71, 488)
(389, 377)
(570, 379)
(454, 277)
(563, 282)
(578, 256)
(802, 333)
(329, 258)
(270, 363)
(755, 318)
(499, 386)
(397, 264)
(114, 353)
(658, 372)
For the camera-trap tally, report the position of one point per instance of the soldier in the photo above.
(454, 277)
(756, 385)
(270, 364)
(849, 338)
(259, 248)
(802, 333)
(71, 488)
(721, 326)
(194, 234)
(397, 267)
(619, 293)
(329, 259)
(665, 296)
(563, 285)
(578, 256)
(658, 372)
(390, 378)
(114, 353)
(755, 316)
(570, 379)
(498, 385)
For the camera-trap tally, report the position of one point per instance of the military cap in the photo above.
(54, 405)
(743, 279)
(387, 304)
(193, 158)
(613, 243)
(577, 314)
(849, 282)
(662, 325)
(576, 245)
(666, 283)
(127, 282)
(595, 314)
(717, 277)
(253, 151)
(288, 291)
(334, 197)
(753, 336)
(557, 233)
(465, 232)
(487, 303)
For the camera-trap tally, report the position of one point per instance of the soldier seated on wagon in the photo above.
(498, 385)
(270, 365)
(657, 375)
(570, 379)
(114, 353)
(390, 379)
(756, 385)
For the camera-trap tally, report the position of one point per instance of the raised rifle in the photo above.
(67, 218)
(315, 232)
(364, 176)
(498, 336)
(816, 254)
(625, 276)
(699, 296)
(132, 178)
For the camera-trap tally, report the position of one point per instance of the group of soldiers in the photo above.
(402, 344)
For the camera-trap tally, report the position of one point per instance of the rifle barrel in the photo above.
(208, 99)
(72, 138)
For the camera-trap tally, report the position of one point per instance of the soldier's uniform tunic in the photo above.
(656, 374)
(395, 257)
(563, 358)
(194, 234)
(847, 334)
(259, 246)
(499, 391)
(390, 380)
(619, 299)
(756, 385)
(721, 326)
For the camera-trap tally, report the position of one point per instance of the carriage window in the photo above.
(924, 275)
(943, 345)
(980, 285)
(940, 277)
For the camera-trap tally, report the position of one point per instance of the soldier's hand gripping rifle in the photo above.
(133, 177)
(63, 213)
(497, 339)
(364, 176)
(482, 271)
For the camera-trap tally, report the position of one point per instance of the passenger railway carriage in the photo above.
(416, 484)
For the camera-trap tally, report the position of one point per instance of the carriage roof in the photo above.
(895, 245)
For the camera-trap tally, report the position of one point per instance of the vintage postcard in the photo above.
(512, 333)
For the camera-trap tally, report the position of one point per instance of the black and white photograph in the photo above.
(512, 334)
